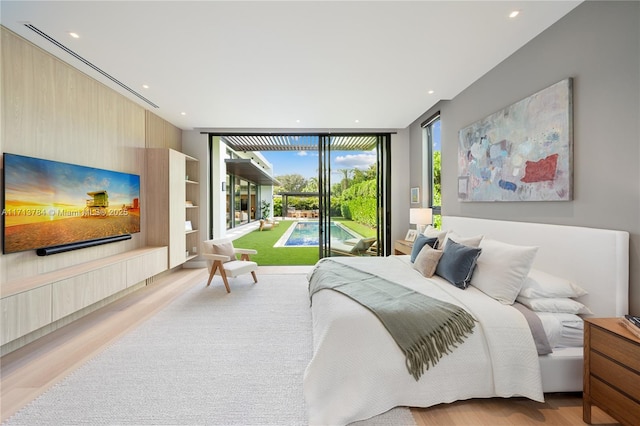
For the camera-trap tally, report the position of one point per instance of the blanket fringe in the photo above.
(429, 349)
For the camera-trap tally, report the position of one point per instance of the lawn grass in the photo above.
(359, 228)
(268, 255)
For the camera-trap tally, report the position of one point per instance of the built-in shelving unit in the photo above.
(192, 207)
(173, 213)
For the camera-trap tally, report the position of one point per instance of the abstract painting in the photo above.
(522, 152)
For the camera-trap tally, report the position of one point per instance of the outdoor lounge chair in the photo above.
(221, 257)
(373, 250)
(353, 247)
(265, 226)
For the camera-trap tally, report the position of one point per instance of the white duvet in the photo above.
(358, 371)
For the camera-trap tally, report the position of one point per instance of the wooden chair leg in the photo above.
(218, 265)
(224, 278)
(214, 267)
(245, 256)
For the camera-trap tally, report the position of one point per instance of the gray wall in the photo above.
(598, 44)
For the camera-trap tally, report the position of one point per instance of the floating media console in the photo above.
(81, 244)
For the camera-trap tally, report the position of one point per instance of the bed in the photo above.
(358, 370)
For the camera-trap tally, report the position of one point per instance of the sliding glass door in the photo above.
(352, 187)
(354, 194)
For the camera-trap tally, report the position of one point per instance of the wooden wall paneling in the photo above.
(157, 194)
(173, 136)
(65, 115)
(154, 134)
(73, 136)
(25, 312)
(161, 133)
(10, 106)
(108, 127)
(39, 128)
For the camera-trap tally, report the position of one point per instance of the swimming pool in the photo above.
(305, 234)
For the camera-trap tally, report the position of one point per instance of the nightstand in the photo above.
(611, 370)
(402, 247)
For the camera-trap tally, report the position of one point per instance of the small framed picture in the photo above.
(411, 235)
(415, 195)
(187, 226)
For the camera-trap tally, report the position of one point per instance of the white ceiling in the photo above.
(288, 64)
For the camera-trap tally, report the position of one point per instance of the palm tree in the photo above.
(345, 180)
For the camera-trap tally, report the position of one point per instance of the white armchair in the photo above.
(221, 258)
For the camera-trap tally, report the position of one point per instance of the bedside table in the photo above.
(611, 370)
(402, 247)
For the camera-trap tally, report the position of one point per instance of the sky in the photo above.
(305, 163)
(436, 135)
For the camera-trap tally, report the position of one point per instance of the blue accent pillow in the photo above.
(420, 242)
(458, 263)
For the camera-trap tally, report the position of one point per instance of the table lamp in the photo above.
(421, 217)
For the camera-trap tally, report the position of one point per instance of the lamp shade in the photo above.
(421, 216)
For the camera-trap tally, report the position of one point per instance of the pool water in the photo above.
(305, 234)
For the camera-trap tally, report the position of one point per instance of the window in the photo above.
(431, 137)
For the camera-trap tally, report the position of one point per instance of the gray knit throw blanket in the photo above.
(424, 328)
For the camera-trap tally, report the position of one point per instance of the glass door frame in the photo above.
(383, 199)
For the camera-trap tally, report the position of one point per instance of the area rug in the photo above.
(208, 358)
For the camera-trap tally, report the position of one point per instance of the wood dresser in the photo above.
(611, 370)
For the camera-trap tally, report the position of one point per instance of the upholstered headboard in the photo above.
(595, 259)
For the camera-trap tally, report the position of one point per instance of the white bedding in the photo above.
(357, 370)
(562, 330)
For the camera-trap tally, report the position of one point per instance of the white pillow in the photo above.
(554, 304)
(563, 330)
(467, 241)
(432, 232)
(502, 268)
(542, 284)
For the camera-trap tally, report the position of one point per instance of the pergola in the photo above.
(298, 142)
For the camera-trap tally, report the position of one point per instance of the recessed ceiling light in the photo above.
(145, 86)
(357, 121)
(431, 92)
(74, 35)
(514, 14)
(297, 121)
(183, 113)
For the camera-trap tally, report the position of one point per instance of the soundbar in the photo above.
(46, 251)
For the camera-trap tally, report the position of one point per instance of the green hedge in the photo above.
(359, 203)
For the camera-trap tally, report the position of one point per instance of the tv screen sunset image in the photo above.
(49, 203)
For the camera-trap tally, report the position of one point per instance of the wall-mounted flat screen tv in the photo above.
(49, 203)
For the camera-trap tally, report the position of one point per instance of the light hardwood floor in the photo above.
(31, 370)
(558, 409)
